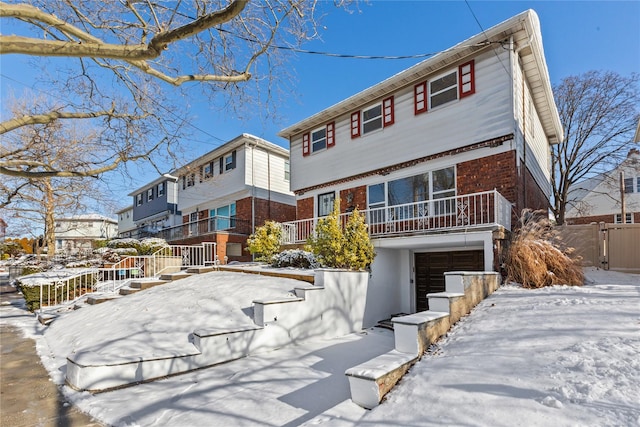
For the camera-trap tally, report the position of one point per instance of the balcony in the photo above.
(200, 228)
(463, 212)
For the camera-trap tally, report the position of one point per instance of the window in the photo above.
(638, 184)
(287, 170)
(628, 218)
(372, 119)
(444, 187)
(377, 199)
(223, 217)
(628, 185)
(149, 194)
(191, 180)
(443, 89)
(207, 170)
(325, 203)
(193, 224)
(230, 161)
(138, 199)
(318, 140)
(161, 189)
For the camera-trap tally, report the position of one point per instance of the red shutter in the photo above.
(420, 98)
(305, 144)
(388, 117)
(355, 124)
(331, 139)
(466, 79)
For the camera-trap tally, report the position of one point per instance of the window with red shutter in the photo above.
(305, 144)
(355, 124)
(420, 98)
(387, 111)
(331, 139)
(466, 79)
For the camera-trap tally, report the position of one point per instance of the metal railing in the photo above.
(450, 213)
(168, 259)
(202, 227)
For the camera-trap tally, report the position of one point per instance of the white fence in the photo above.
(450, 213)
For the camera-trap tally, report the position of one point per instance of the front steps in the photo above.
(308, 312)
(371, 380)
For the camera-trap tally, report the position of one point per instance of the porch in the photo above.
(463, 212)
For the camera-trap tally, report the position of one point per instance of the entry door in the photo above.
(431, 266)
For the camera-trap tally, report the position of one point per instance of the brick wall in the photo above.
(609, 219)
(264, 210)
(352, 198)
(305, 208)
(500, 172)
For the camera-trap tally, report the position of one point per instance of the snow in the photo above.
(560, 356)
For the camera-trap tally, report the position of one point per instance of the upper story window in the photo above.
(443, 89)
(149, 194)
(319, 139)
(138, 199)
(628, 185)
(372, 118)
(161, 189)
(453, 85)
(188, 180)
(228, 162)
(207, 170)
(287, 170)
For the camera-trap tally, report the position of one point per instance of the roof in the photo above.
(238, 141)
(525, 29)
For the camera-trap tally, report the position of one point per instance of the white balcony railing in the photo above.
(451, 213)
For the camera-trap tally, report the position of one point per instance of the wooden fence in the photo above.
(607, 246)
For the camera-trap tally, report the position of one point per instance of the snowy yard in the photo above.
(553, 356)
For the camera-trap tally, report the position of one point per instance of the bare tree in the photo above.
(599, 111)
(123, 56)
(40, 198)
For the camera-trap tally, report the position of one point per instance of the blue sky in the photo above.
(578, 36)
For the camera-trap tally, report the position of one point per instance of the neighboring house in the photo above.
(155, 207)
(126, 226)
(441, 157)
(599, 199)
(220, 197)
(77, 234)
(3, 230)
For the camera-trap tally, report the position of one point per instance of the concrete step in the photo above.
(146, 284)
(371, 380)
(453, 303)
(99, 299)
(128, 291)
(200, 270)
(416, 332)
(175, 276)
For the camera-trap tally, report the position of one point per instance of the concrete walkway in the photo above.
(27, 396)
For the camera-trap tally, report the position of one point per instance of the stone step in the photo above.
(99, 299)
(175, 276)
(128, 291)
(146, 284)
(416, 332)
(453, 303)
(371, 380)
(200, 270)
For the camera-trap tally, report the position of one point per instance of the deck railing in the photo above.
(201, 227)
(450, 213)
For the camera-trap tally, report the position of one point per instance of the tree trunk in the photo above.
(49, 219)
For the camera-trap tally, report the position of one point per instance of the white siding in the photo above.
(486, 114)
(218, 187)
(538, 158)
(265, 170)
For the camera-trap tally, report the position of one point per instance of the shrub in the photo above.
(295, 258)
(350, 248)
(535, 260)
(265, 242)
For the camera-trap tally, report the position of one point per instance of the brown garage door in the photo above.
(431, 266)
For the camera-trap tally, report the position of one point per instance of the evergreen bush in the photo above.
(265, 242)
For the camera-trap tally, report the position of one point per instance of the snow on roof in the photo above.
(88, 217)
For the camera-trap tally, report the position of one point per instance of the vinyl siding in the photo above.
(486, 114)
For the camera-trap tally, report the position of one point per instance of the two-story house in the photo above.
(441, 158)
(603, 198)
(77, 234)
(155, 207)
(220, 197)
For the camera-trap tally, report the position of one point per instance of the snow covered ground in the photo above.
(556, 356)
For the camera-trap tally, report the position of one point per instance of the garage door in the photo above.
(431, 266)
